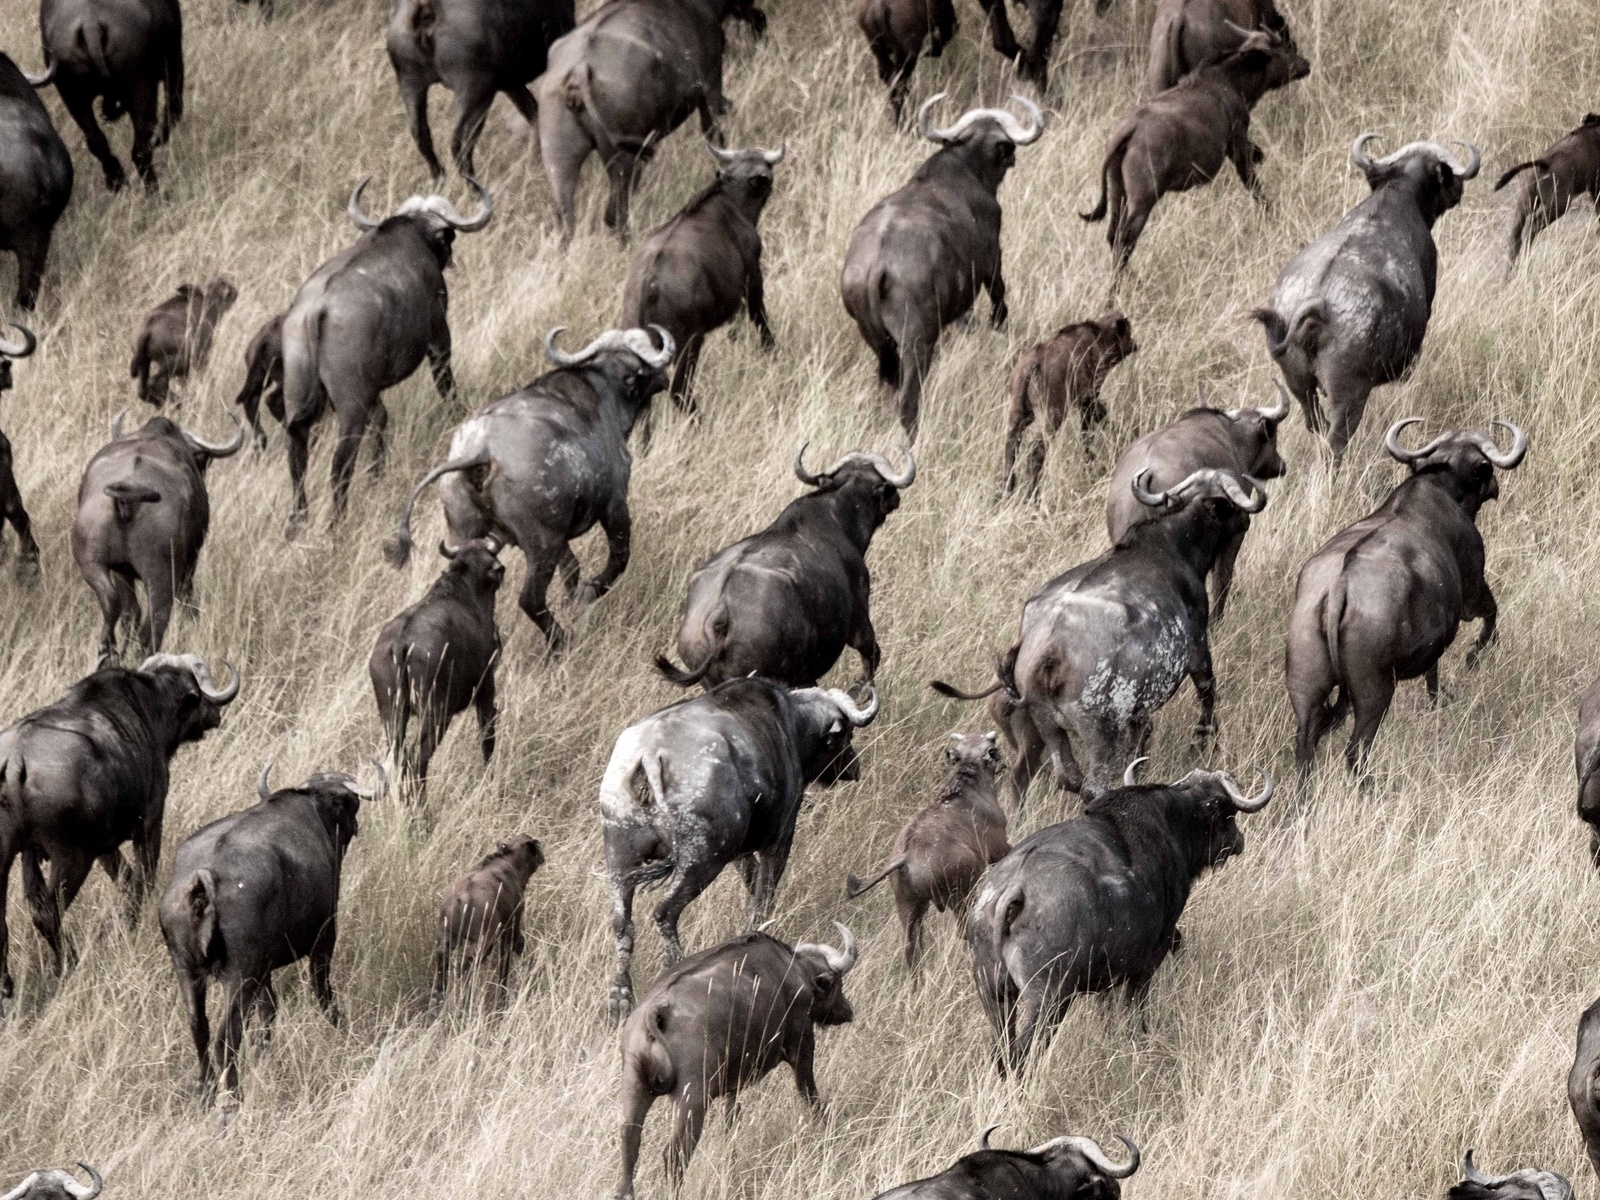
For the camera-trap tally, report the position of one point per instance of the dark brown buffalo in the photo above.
(716, 1024)
(918, 258)
(897, 31)
(1064, 1168)
(1070, 368)
(143, 516)
(89, 772)
(57, 1185)
(35, 176)
(175, 339)
(263, 360)
(11, 509)
(1583, 1083)
(1241, 440)
(945, 848)
(253, 892)
(1033, 61)
(1587, 755)
(480, 917)
(438, 657)
(123, 52)
(1181, 138)
(1568, 169)
(1382, 600)
(1530, 1183)
(1187, 34)
(690, 276)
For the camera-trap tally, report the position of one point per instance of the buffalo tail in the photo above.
(1113, 162)
(200, 944)
(1518, 169)
(126, 498)
(955, 693)
(853, 887)
(397, 551)
(1332, 617)
(681, 676)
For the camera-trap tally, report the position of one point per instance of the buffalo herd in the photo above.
(1082, 906)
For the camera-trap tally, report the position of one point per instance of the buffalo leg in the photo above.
(69, 867)
(1025, 739)
(1019, 416)
(297, 436)
(1349, 404)
(352, 428)
(618, 524)
(431, 729)
(1314, 719)
(620, 171)
(569, 569)
(541, 562)
(80, 105)
(472, 107)
(520, 96)
(321, 963)
(916, 359)
(32, 253)
(488, 715)
(864, 641)
(1370, 698)
(11, 511)
(1222, 575)
(144, 106)
(755, 304)
(8, 853)
(769, 868)
(1000, 32)
(1035, 63)
(439, 354)
(146, 857)
(682, 388)
(1036, 1016)
(636, 1102)
(414, 92)
(996, 287)
(688, 881)
(1431, 679)
(379, 433)
(622, 886)
(241, 999)
(264, 1015)
(805, 1073)
(1069, 774)
(1490, 612)
(912, 911)
(563, 145)
(158, 591)
(173, 112)
(192, 987)
(1205, 690)
(688, 1120)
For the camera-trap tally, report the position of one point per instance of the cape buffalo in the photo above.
(1033, 61)
(916, 261)
(476, 48)
(362, 323)
(480, 916)
(718, 1023)
(124, 52)
(897, 31)
(89, 772)
(57, 1185)
(175, 339)
(1094, 903)
(35, 176)
(11, 509)
(1105, 645)
(1382, 599)
(263, 361)
(1349, 312)
(1586, 753)
(945, 848)
(1583, 1083)
(690, 276)
(1070, 368)
(540, 467)
(439, 656)
(1241, 440)
(708, 781)
(1187, 34)
(143, 515)
(785, 602)
(1064, 1168)
(253, 892)
(1180, 138)
(1569, 168)
(625, 78)
(1527, 1184)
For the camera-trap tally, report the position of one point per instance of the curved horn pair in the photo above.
(1090, 1149)
(635, 341)
(840, 962)
(1247, 804)
(897, 479)
(437, 205)
(846, 705)
(62, 1180)
(1012, 127)
(772, 157)
(196, 666)
(1226, 481)
(19, 349)
(1270, 415)
(1463, 171)
(490, 543)
(219, 449)
(1504, 459)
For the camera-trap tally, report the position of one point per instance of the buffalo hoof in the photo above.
(620, 1004)
(116, 180)
(556, 642)
(586, 593)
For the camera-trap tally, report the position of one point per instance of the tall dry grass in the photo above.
(1360, 997)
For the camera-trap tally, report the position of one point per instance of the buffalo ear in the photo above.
(950, 755)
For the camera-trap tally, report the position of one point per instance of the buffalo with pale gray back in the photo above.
(477, 49)
(1103, 647)
(945, 848)
(718, 1023)
(361, 324)
(11, 510)
(35, 175)
(897, 32)
(1241, 440)
(480, 917)
(917, 259)
(1064, 1168)
(1530, 1183)
(1382, 600)
(626, 77)
(143, 516)
(1349, 312)
(89, 772)
(263, 381)
(175, 340)
(1187, 34)
(1093, 903)
(1033, 60)
(57, 1185)
(784, 603)
(255, 892)
(1586, 755)
(540, 467)
(710, 781)
(1568, 169)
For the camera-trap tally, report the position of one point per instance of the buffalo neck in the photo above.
(1187, 535)
(1435, 488)
(852, 514)
(1163, 836)
(962, 164)
(966, 779)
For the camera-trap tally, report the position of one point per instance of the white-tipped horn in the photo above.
(207, 685)
(1015, 131)
(774, 157)
(219, 449)
(1252, 803)
(1507, 459)
(19, 349)
(924, 124)
(1469, 169)
(1090, 1149)
(1470, 1170)
(45, 77)
(721, 155)
(447, 211)
(840, 961)
(1143, 494)
(983, 1138)
(857, 716)
(1358, 152)
(1273, 415)
(1127, 775)
(800, 472)
(1391, 442)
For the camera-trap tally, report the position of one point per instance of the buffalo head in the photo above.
(337, 797)
(524, 850)
(1270, 54)
(831, 758)
(1223, 500)
(827, 967)
(478, 562)
(1527, 1184)
(1255, 432)
(1430, 171)
(745, 176)
(629, 358)
(1082, 1169)
(434, 216)
(865, 475)
(1467, 458)
(56, 1185)
(1215, 799)
(185, 682)
(980, 748)
(986, 139)
(201, 451)
(21, 348)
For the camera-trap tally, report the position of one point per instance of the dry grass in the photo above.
(1359, 998)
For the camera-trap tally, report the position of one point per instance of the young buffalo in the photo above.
(897, 30)
(175, 340)
(1568, 169)
(944, 850)
(1526, 1184)
(1069, 368)
(481, 915)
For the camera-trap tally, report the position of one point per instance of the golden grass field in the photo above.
(1361, 996)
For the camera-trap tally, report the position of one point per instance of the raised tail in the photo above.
(397, 551)
(853, 887)
(1542, 164)
(955, 693)
(127, 497)
(673, 673)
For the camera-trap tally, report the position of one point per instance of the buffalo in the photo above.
(1349, 312)
(897, 31)
(476, 48)
(1069, 368)
(917, 259)
(57, 1185)
(711, 780)
(1064, 1168)
(263, 381)
(89, 772)
(126, 53)
(1033, 61)
(11, 509)
(35, 176)
(1526, 1184)
(542, 466)
(439, 656)
(1241, 440)
(785, 602)
(718, 1023)
(690, 276)
(253, 892)
(480, 917)
(1094, 903)
(1180, 138)
(143, 515)
(1586, 752)
(362, 323)
(1583, 1083)
(175, 339)
(1381, 600)
(1568, 168)
(1105, 645)
(943, 850)
(626, 77)
(1187, 34)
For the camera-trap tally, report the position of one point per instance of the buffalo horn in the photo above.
(84, 1191)
(635, 341)
(839, 962)
(1229, 483)
(1239, 29)
(1270, 415)
(447, 550)
(365, 793)
(1470, 1170)
(983, 1138)
(43, 79)
(1358, 152)
(1391, 442)
(882, 465)
(207, 685)
(856, 716)
(19, 349)
(1143, 494)
(263, 788)
(800, 472)
(447, 212)
(1127, 775)
(1252, 803)
(1463, 171)
(1090, 1149)
(222, 449)
(774, 157)
(1474, 160)
(1013, 128)
(116, 424)
(23, 1188)
(363, 222)
(721, 155)
(1507, 459)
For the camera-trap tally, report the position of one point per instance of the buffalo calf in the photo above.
(897, 31)
(175, 339)
(1566, 170)
(57, 1185)
(1064, 1168)
(480, 917)
(11, 509)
